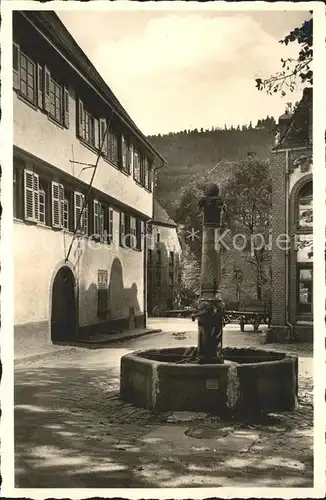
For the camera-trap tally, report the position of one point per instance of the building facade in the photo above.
(163, 268)
(82, 190)
(292, 259)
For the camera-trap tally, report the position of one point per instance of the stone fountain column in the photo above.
(211, 305)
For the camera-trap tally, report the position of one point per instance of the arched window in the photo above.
(305, 215)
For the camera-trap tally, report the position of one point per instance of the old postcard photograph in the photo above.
(162, 249)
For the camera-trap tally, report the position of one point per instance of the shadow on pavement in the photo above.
(72, 431)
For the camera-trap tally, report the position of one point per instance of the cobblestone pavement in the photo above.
(72, 430)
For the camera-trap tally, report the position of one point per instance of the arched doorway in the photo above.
(64, 309)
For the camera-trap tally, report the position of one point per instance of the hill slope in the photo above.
(192, 153)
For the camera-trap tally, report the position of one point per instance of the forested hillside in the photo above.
(191, 153)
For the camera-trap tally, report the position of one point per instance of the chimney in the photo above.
(284, 122)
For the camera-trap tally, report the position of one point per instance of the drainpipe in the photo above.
(287, 183)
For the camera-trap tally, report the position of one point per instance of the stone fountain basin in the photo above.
(249, 379)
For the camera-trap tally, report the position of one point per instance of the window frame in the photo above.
(23, 95)
(300, 226)
(301, 309)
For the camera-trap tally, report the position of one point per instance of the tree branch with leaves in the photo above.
(292, 68)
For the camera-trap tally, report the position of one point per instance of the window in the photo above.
(88, 126)
(171, 260)
(42, 205)
(124, 155)
(81, 213)
(305, 214)
(158, 236)
(133, 231)
(130, 158)
(147, 179)
(305, 286)
(56, 101)
(158, 257)
(110, 213)
(113, 148)
(136, 160)
(65, 215)
(98, 220)
(34, 83)
(25, 75)
(158, 279)
(122, 229)
(102, 293)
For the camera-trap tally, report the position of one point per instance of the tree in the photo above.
(190, 276)
(248, 197)
(292, 69)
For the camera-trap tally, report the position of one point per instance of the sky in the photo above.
(183, 70)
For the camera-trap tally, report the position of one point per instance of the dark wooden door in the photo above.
(64, 310)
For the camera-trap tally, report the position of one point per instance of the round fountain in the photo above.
(210, 378)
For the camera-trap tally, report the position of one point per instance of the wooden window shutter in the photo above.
(62, 204)
(78, 203)
(97, 133)
(16, 65)
(46, 89)
(40, 84)
(29, 202)
(103, 135)
(80, 118)
(56, 205)
(36, 196)
(66, 107)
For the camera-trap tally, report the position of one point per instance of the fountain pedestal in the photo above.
(256, 379)
(208, 378)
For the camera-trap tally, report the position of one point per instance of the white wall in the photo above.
(39, 252)
(35, 133)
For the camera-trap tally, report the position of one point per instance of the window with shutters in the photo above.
(112, 147)
(102, 293)
(60, 207)
(88, 126)
(56, 101)
(133, 232)
(24, 75)
(80, 213)
(98, 220)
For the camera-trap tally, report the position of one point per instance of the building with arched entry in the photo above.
(292, 230)
(82, 192)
